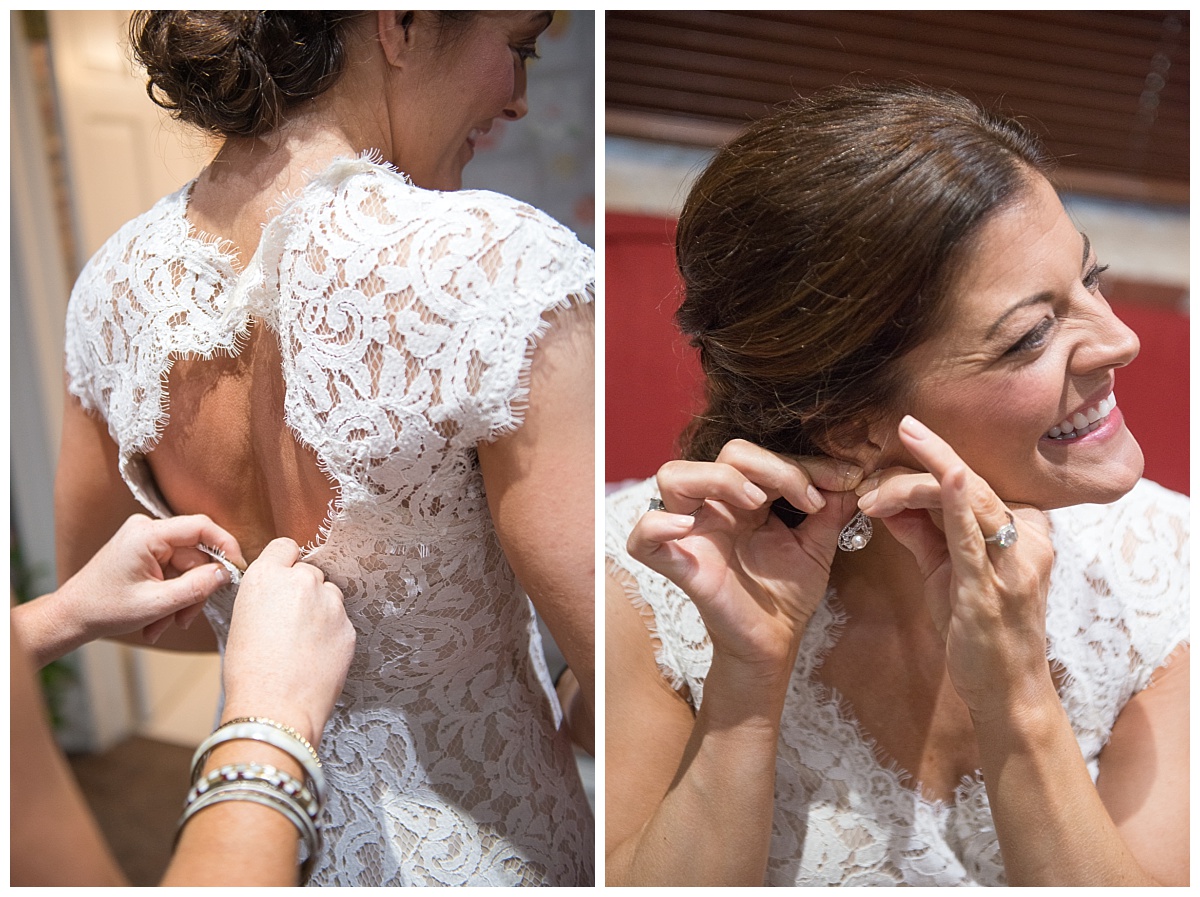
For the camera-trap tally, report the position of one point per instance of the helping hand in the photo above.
(987, 602)
(755, 582)
(290, 643)
(146, 577)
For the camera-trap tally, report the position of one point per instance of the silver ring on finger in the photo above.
(656, 504)
(1006, 536)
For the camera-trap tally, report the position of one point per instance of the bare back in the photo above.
(228, 453)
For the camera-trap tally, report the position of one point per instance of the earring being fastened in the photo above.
(856, 534)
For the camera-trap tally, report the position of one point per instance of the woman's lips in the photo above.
(1095, 431)
(1083, 422)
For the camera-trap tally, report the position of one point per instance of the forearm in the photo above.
(51, 628)
(1052, 826)
(713, 826)
(46, 633)
(238, 843)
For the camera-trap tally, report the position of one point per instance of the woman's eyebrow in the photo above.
(1043, 296)
(1036, 299)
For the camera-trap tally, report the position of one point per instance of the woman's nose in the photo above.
(517, 107)
(1113, 343)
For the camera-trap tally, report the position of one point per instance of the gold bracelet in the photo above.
(280, 726)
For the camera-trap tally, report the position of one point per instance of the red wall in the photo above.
(652, 380)
(651, 375)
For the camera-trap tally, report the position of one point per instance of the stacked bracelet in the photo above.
(266, 786)
(262, 784)
(281, 727)
(277, 778)
(271, 733)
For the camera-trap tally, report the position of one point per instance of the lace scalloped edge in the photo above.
(518, 403)
(902, 778)
(629, 586)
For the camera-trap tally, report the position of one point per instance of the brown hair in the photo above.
(816, 250)
(235, 73)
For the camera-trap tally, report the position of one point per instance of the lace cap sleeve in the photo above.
(438, 298)
(153, 290)
(1118, 603)
(683, 650)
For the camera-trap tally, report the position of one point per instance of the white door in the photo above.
(123, 153)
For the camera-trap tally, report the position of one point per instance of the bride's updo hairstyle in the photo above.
(235, 73)
(817, 249)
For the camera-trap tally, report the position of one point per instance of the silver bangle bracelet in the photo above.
(263, 794)
(266, 721)
(268, 735)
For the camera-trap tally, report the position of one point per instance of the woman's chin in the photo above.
(1099, 482)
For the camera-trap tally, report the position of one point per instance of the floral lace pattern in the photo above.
(407, 321)
(1117, 608)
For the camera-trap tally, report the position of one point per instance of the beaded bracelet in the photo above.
(276, 736)
(260, 772)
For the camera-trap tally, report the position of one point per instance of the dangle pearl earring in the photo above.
(856, 534)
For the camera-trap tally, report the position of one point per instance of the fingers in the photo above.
(183, 597)
(185, 532)
(184, 618)
(968, 553)
(798, 479)
(282, 552)
(652, 542)
(746, 476)
(685, 485)
(942, 461)
(921, 535)
(818, 535)
(898, 489)
(153, 632)
(187, 557)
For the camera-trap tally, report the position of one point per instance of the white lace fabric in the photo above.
(407, 322)
(1117, 608)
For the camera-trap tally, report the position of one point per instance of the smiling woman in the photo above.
(1030, 338)
(898, 324)
(322, 337)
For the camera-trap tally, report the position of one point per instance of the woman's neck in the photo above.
(880, 584)
(244, 184)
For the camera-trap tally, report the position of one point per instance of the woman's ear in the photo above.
(397, 34)
(870, 445)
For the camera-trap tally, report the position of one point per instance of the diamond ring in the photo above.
(1006, 536)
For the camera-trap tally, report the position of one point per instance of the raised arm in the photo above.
(691, 799)
(1054, 826)
(540, 485)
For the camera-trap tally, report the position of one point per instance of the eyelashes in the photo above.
(1039, 335)
(526, 52)
(1091, 280)
(1035, 338)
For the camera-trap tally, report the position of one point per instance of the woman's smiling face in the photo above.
(1029, 344)
(470, 75)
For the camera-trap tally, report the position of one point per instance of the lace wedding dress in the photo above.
(407, 321)
(1117, 608)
